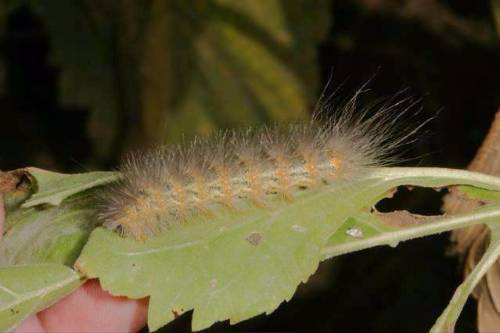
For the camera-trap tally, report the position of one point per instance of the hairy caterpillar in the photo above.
(169, 184)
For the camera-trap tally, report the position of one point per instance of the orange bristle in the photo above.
(224, 181)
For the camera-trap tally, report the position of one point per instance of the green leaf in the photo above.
(28, 289)
(54, 234)
(53, 187)
(238, 264)
(446, 322)
(47, 232)
(54, 224)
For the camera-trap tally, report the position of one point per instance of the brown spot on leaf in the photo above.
(254, 238)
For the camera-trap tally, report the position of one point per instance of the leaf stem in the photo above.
(442, 176)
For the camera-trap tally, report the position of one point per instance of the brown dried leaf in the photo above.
(470, 243)
(9, 180)
(403, 218)
(15, 187)
(488, 318)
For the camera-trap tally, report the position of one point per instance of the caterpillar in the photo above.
(167, 185)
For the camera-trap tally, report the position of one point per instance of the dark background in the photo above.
(445, 52)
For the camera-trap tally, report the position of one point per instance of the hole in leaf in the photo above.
(416, 200)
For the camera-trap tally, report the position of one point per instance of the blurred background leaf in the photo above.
(152, 71)
(495, 11)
